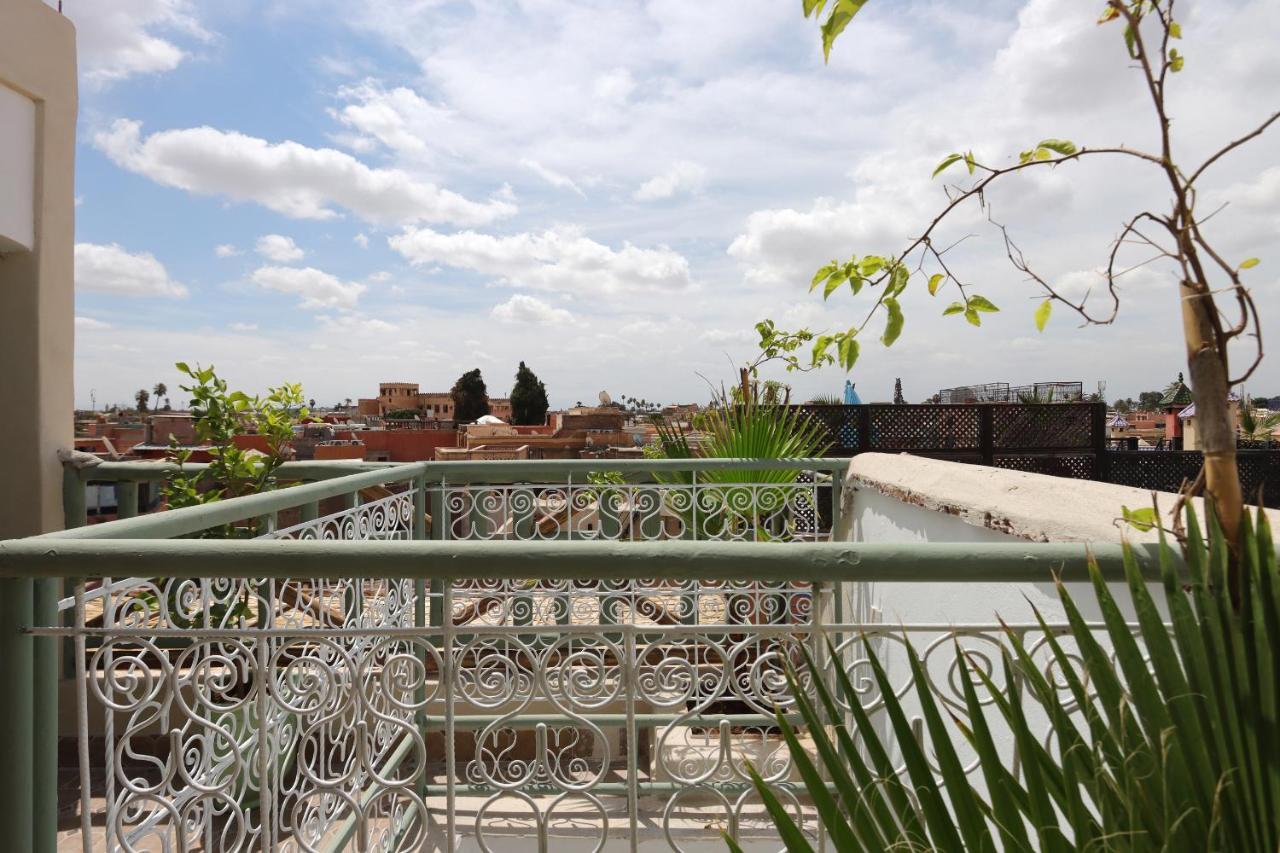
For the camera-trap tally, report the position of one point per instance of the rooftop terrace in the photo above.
(493, 655)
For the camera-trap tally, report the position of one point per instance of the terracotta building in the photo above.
(395, 396)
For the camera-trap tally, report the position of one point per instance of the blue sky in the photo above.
(338, 193)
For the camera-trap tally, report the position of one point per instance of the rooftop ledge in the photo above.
(1021, 505)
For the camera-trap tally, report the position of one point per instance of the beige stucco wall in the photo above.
(37, 299)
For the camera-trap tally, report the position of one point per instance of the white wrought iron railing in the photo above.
(341, 684)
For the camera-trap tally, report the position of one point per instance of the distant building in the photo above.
(573, 434)
(398, 396)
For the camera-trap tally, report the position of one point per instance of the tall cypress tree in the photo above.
(470, 397)
(528, 398)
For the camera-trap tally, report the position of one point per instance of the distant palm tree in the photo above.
(161, 390)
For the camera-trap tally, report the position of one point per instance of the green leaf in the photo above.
(1176, 60)
(981, 303)
(1042, 314)
(849, 348)
(822, 274)
(182, 366)
(813, 6)
(969, 161)
(837, 278)
(1175, 30)
(1249, 264)
(898, 280)
(971, 315)
(946, 161)
(1062, 146)
(791, 835)
(893, 326)
(935, 281)
(953, 308)
(1109, 14)
(870, 265)
(840, 17)
(1140, 519)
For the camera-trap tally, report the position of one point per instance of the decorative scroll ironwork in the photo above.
(385, 518)
(737, 511)
(592, 711)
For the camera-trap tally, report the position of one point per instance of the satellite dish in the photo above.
(605, 399)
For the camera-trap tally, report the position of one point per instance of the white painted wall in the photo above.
(17, 170)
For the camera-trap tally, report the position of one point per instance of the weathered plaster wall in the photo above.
(37, 65)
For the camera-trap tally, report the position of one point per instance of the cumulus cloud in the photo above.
(225, 250)
(110, 268)
(552, 177)
(398, 118)
(317, 288)
(126, 38)
(287, 177)
(524, 310)
(278, 248)
(361, 240)
(560, 259)
(683, 177)
(89, 324)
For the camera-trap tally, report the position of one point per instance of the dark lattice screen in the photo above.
(1060, 439)
(841, 426)
(1019, 426)
(1079, 466)
(1165, 470)
(898, 428)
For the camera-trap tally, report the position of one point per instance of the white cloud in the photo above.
(225, 250)
(89, 324)
(244, 327)
(398, 118)
(124, 38)
(682, 177)
(524, 310)
(720, 337)
(559, 259)
(786, 245)
(348, 324)
(287, 177)
(278, 248)
(616, 85)
(552, 177)
(318, 289)
(110, 268)
(361, 240)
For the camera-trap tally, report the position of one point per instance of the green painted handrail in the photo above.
(142, 472)
(338, 478)
(1021, 562)
(471, 471)
(191, 519)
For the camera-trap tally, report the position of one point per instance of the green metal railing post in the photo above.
(17, 710)
(74, 514)
(44, 704)
(126, 499)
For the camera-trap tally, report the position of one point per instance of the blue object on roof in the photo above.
(851, 397)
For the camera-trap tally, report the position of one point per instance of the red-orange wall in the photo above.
(339, 451)
(404, 445)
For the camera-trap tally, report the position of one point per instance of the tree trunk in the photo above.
(1207, 365)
